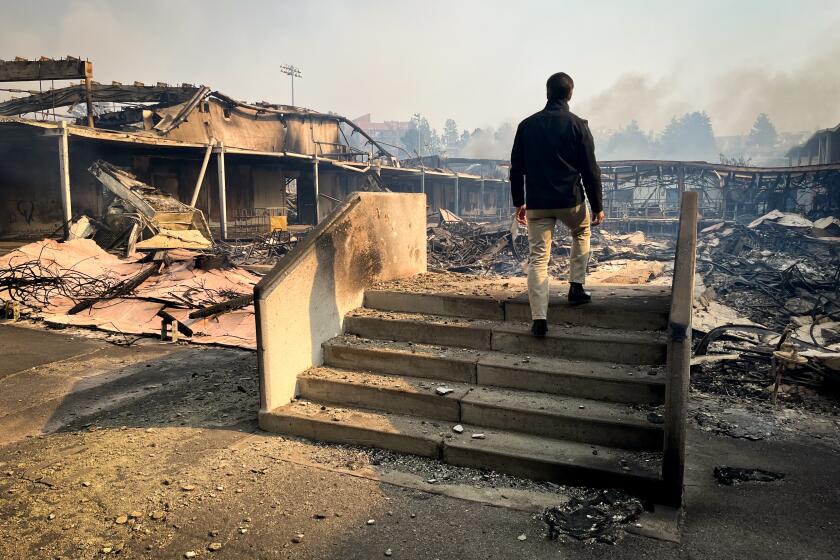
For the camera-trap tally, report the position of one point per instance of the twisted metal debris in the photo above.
(35, 283)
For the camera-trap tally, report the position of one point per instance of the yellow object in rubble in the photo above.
(279, 223)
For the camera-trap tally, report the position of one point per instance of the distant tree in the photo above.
(763, 132)
(465, 137)
(432, 143)
(689, 137)
(630, 143)
(450, 138)
(424, 143)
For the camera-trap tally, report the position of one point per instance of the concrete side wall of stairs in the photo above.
(302, 302)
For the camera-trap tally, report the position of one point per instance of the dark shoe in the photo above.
(577, 295)
(539, 328)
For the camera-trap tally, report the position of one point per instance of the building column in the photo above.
(457, 209)
(201, 173)
(64, 178)
(317, 189)
(481, 196)
(220, 161)
(681, 179)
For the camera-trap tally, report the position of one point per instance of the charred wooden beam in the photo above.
(177, 326)
(45, 69)
(123, 288)
(224, 307)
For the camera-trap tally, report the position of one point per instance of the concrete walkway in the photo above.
(169, 432)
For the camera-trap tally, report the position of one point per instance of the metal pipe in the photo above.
(64, 177)
(220, 161)
(201, 173)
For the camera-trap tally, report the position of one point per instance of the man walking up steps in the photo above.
(553, 173)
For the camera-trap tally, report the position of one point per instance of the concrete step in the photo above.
(617, 307)
(508, 452)
(398, 394)
(589, 421)
(586, 379)
(597, 422)
(581, 343)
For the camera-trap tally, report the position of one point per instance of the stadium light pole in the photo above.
(293, 72)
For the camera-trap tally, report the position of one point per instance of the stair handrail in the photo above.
(679, 350)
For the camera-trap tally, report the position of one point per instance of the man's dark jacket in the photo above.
(555, 151)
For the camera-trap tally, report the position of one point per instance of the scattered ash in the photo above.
(433, 471)
(734, 380)
(596, 516)
(748, 425)
(437, 472)
(735, 475)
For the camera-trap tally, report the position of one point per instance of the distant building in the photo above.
(821, 148)
(389, 132)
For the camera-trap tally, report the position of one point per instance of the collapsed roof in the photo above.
(161, 110)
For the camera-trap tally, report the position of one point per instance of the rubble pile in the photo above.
(771, 271)
(148, 265)
(140, 217)
(458, 246)
(494, 249)
(77, 283)
(266, 249)
(772, 287)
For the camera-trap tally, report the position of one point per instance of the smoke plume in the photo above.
(802, 98)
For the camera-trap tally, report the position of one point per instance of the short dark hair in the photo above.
(559, 86)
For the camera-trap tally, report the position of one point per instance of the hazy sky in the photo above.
(481, 63)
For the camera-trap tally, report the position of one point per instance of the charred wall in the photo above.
(246, 128)
(30, 195)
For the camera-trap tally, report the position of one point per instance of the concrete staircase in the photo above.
(583, 405)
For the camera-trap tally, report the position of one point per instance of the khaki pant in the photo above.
(540, 228)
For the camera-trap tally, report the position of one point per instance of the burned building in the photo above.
(823, 147)
(238, 162)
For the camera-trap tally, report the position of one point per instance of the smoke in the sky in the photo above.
(806, 97)
(803, 98)
(490, 143)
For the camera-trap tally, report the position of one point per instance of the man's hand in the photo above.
(520, 215)
(598, 219)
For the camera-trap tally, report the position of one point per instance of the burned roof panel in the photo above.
(114, 93)
(22, 70)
